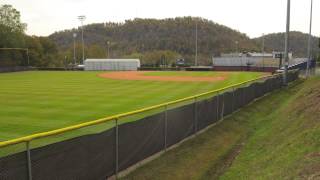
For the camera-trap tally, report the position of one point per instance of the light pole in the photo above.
(108, 49)
(82, 18)
(237, 48)
(237, 53)
(309, 42)
(286, 46)
(196, 55)
(262, 49)
(28, 56)
(74, 48)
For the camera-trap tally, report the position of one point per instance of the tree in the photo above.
(156, 58)
(12, 36)
(43, 52)
(49, 52)
(10, 18)
(11, 27)
(96, 51)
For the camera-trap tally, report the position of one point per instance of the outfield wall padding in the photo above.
(180, 123)
(14, 167)
(206, 112)
(227, 101)
(140, 139)
(86, 157)
(95, 156)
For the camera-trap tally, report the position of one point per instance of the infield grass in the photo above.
(38, 101)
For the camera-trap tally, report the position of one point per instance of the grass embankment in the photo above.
(33, 102)
(276, 137)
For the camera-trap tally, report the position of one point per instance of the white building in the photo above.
(111, 64)
(249, 54)
(249, 59)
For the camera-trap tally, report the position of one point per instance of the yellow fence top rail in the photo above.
(118, 116)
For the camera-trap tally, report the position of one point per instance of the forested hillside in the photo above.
(298, 43)
(152, 39)
(139, 37)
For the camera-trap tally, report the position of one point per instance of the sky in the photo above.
(252, 17)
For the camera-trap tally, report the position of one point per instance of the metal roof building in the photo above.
(111, 64)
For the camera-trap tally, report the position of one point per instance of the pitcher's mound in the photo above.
(139, 75)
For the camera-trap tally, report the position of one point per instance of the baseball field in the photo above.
(38, 101)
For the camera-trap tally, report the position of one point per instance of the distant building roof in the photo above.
(254, 54)
(250, 54)
(260, 54)
(231, 55)
(112, 60)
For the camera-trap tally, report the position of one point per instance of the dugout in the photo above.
(111, 64)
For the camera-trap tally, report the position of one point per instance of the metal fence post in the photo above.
(165, 126)
(222, 108)
(233, 100)
(29, 160)
(117, 148)
(195, 116)
(218, 106)
(272, 83)
(243, 96)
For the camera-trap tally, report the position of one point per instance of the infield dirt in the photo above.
(139, 75)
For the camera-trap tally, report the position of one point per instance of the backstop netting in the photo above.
(14, 59)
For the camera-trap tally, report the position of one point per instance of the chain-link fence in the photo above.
(14, 69)
(103, 148)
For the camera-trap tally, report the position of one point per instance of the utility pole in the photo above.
(196, 56)
(74, 48)
(82, 18)
(309, 43)
(286, 47)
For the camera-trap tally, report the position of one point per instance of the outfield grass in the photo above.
(32, 102)
(276, 137)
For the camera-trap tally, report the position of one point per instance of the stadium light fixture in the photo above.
(82, 18)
